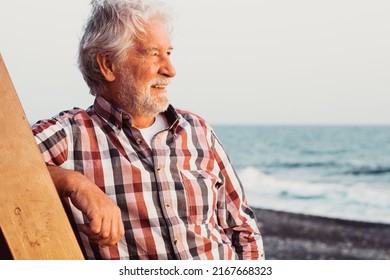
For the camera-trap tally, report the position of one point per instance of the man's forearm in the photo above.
(105, 225)
(64, 180)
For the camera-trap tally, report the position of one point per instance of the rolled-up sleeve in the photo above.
(51, 138)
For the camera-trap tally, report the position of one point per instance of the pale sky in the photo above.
(237, 62)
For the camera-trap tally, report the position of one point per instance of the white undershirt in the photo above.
(160, 124)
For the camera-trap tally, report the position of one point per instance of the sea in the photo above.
(330, 171)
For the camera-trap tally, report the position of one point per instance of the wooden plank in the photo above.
(32, 218)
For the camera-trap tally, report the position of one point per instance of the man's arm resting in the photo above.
(105, 222)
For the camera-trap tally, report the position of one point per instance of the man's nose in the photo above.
(167, 68)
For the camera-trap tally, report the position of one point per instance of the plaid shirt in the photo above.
(180, 198)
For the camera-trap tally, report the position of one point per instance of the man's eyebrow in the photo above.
(151, 49)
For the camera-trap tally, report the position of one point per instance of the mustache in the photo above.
(160, 80)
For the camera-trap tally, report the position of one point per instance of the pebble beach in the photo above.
(289, 236)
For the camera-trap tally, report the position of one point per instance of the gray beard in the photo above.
(138, 103)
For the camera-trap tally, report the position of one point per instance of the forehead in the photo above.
(157, 36)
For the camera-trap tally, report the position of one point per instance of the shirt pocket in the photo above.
(200, 190)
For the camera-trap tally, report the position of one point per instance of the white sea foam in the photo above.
(357, 202)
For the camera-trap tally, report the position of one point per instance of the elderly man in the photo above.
(139, 178)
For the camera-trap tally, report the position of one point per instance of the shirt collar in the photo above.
(119, 117)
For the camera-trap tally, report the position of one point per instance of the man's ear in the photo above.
(106, 67)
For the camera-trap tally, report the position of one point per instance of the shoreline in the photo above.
(291, 236)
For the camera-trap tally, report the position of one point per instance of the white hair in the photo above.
(111, 29)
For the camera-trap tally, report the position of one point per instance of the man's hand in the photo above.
(105, 222)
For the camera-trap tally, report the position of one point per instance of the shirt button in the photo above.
(139, 141)
(175, 242)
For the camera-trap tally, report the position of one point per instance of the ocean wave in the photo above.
(303, 164)
(357, 202)
(367, 170)
(323, 152)
(260, 182)
(344, 168)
